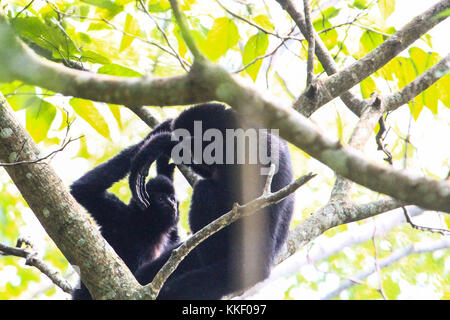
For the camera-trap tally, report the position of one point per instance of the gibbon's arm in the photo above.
(90, 189)
(158, 147)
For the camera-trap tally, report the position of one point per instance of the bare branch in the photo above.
(17, 163)
(311, 43)
(331, 216)
(360, 135)
(352, 102)
(393, 258)
(420, 84)
(32, 260)
(324, 247)
(423, 228)
(345, 79)
(152, 289)
(183, 63)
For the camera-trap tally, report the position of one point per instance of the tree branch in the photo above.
(324, 247)
(393, 258)
(34, 261)
(266, 199)
(345, 79)
(420, 84)
(328, 217)
(206, 82)
(351, 101)
(73, 231)
(185, 33)
(311, 43)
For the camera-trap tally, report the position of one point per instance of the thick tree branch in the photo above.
(206, 82)
(73, 231)
(351, 101)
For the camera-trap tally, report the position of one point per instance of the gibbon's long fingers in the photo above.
(160, 144)
(141, 196)
(143, 190)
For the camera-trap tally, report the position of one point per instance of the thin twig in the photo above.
(311, 43)
(10, 164)
(183, 63)
(33, 260)
(377, 261)
(430, 229)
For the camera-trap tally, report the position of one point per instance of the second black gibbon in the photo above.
(137, 235)
(242, 253)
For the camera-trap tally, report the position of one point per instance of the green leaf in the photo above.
(367, 87)
(86, 110)
(223, 35)
(329, 13)
(416, 107)
(255, 47)
(108, 5)
(115, 110)
(444, 13)
(404, 70)
(443, 85)
(158, 5)
(264, 21)
(359, 4)
(422, 61)
(182, 49)
(39, 118)
(340, 126)
(391, 288)
(132, 28)
(46, 35)
(96, 26)
(83, 150)
(94, 57)
(114, 69)
(369, 41)
(21, 97)
(330, 37)
(386, 7)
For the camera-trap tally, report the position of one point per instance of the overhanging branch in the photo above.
(206, 82)
(340, 82)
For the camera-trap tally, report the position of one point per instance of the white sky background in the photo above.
(428, 135)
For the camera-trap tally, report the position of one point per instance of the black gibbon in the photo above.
(137, 235)
(242, 253)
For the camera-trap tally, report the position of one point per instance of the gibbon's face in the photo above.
(162, 201)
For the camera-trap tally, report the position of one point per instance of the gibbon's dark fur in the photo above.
(242, 253)
(137, 235)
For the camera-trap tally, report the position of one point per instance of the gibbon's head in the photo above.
(197, 120)
(160, 195)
